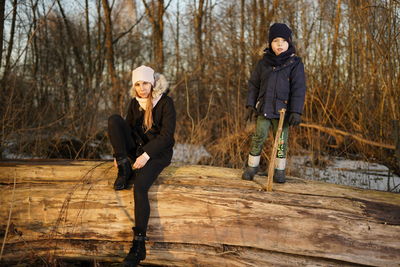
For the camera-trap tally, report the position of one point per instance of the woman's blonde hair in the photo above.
(148, 113)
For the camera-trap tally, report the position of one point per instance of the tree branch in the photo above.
(336, 132)
(129, 30)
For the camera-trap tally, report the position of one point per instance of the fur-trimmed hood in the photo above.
(160, 87)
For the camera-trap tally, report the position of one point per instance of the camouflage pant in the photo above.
(261, 134)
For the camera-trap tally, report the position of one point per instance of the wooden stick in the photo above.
(274, 150)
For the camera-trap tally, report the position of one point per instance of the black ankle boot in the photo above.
(124, 173)
(249, 173)
(279, 176)
(137, 252)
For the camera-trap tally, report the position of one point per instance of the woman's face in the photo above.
(279, 45)
(143, 89)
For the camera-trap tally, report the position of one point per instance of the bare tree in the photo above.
(11, 41)
(155, 10)
(115, 84)
(2, 9)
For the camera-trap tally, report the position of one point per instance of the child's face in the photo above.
(279, 45)
(143, 89)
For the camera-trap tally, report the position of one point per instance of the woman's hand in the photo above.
(141, 161)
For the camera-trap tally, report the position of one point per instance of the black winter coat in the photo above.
(273, 88)
(159, 140)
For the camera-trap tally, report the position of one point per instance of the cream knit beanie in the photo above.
(144, 74)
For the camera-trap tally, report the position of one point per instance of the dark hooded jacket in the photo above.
(159, 140)
(272, 88)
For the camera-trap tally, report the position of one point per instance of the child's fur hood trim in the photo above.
(160, 86)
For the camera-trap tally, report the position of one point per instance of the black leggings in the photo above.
(120, 135)
(123, 144)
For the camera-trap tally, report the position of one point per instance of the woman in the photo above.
(145, 138)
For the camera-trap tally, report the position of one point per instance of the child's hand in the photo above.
(115, 163)
(294, 119)
(249, 114)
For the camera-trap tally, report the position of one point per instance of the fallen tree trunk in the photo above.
(200, 216)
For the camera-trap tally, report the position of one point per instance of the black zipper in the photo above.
(275, 94)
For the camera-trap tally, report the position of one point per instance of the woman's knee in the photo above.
(114, 120)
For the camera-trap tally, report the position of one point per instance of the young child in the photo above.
(277, 82)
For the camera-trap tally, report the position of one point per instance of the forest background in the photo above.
(66, 66)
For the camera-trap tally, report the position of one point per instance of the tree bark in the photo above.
(262, 25)
(198, 25)
(242, 31)
(2, 9)
(335, 42)
(10, 42)
(156, 15)
(177, 40)
(115, 85)
(89, 48)
(200, 216)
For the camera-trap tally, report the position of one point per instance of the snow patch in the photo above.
(189, 154)
(183, 154)
(354, 173)
(106, 157)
